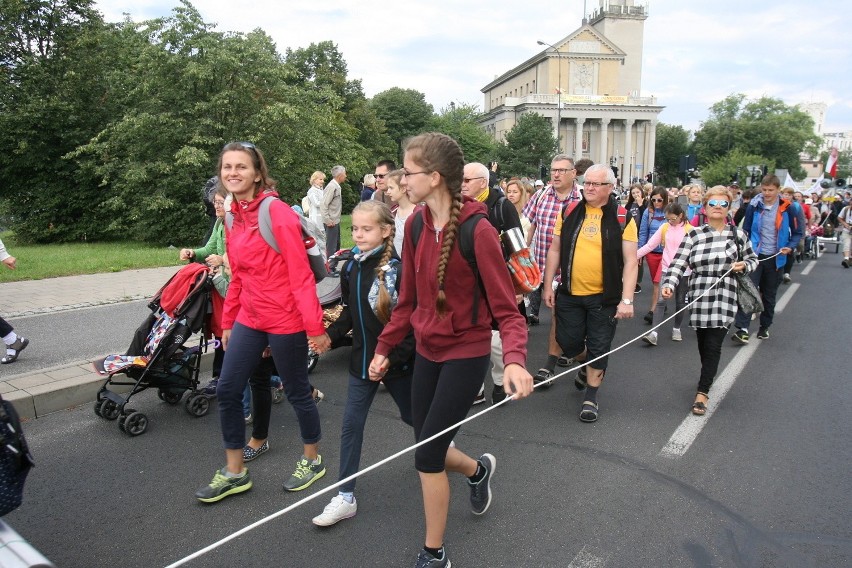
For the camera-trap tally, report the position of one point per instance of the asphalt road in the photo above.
(764, 483)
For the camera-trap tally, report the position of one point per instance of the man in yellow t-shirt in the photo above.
(597, 257)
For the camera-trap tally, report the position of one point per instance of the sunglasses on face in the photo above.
(718, 203)
(379, 176)
(657, 199)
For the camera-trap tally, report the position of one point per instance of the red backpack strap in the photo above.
(622, 217)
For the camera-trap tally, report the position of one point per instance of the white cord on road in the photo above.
(404, 451)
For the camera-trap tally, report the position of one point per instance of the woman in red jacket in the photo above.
(271, 302)
(452, 346)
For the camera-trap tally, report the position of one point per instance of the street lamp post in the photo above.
(558, 93)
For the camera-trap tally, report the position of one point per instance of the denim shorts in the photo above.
(582, 322)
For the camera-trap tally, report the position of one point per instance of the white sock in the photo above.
(11, 338)
(348, 496)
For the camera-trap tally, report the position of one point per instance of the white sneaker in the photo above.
(676, 336)
(650, 338)
(336, 511)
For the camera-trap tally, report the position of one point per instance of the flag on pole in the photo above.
(831, 164)
(816, 187)
(790, 182)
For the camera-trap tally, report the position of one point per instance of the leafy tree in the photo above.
(672, 144)
(528, 144)
(762, 127)
(405, 113)
(460, 122)
(723, 169)
(55, 95)
(321, 66)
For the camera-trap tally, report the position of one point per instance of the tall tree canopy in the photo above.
(459, 121)
(529, 144)
(672, 144)
(405, 113)
(764, 127)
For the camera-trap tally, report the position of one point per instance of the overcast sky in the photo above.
(696, 52)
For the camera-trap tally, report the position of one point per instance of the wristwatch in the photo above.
(626, 302)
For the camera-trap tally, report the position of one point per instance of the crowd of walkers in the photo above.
(429, 322)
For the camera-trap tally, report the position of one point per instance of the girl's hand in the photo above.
(517, 380)
(226, 335)
(378, 367)
(320, 343)
(10, 262)
(186, 254)
(738, 266)
(214, 260)
(667, 292)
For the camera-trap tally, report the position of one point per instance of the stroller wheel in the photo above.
(313, 359)
(107, 409)
(170, 397)
(197, 405)
(133, 424)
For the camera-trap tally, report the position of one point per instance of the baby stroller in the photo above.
(329, 292)
(157, 357)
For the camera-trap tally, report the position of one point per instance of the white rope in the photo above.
(404, 451)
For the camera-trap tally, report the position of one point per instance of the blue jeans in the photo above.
(289, 351)
(358, 402)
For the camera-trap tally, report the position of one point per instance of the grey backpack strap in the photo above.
(264, 223)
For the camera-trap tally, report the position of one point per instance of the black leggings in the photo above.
(710, 349)
(5, 328)
(441, 395)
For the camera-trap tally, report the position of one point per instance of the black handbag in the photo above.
(15, 459)
(748, 296)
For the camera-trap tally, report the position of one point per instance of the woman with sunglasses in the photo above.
(709, 252)
(271, 303)
(652, 220)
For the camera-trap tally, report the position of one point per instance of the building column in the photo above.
(578, 138)
(603, 158)
(628, 175)
(650, 151)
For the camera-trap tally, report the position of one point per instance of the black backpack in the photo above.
(15, 459)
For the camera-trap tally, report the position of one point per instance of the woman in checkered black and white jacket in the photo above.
(710, 251)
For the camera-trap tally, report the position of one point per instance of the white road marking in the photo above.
(688, 431)
(807, 270)
(586, 559)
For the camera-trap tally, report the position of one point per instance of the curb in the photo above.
(60, 388)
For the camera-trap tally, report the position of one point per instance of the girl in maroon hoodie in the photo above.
(452, 347)
(271, 302)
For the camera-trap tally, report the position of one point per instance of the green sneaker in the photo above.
(222, 486)
(306, 473)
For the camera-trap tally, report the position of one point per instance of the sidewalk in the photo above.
(48, 390)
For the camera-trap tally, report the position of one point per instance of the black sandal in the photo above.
(589, 413)
(700, 408)
(19, 345)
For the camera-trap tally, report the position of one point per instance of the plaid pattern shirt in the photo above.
(710, 254)
(543, 208)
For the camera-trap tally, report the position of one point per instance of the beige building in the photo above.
(589, 85)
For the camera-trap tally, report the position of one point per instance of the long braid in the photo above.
(383, 302)
(450, 231)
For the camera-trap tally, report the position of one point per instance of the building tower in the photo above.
(623, 23)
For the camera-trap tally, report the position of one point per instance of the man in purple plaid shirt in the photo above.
(543, 208)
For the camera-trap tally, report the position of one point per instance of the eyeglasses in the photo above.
(409, 174)
(657, 199)
(380, 176)
(218, 203)
(468, 180)
(596, 184)
(673, 220)
(560, 171)
(718, 203)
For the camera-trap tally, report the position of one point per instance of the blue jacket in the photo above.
(652, 220)
(787, 227)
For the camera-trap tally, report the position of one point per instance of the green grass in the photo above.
(35, 262)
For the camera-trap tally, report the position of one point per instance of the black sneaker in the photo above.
(649, 318)
(637, 289)
(426, 560)
(480, 396)
(222, 486)
(845, 263)
(533, 320)
(250, 453)
(480, 492)
(541, 378)
(498, 395)
(741, 336)
(763, 333)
